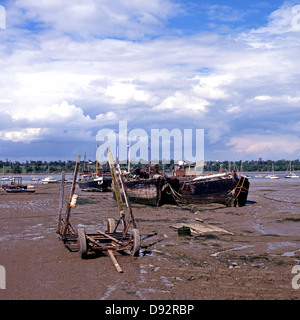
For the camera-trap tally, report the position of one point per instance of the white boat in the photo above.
(272, 175)
(260, 175)
(6, 178)
(242, 174)
(291, 174)
(49, 179)
(245, 176)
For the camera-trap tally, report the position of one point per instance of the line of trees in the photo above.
(51, 167)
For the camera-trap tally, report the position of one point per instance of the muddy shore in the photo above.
(253, 261)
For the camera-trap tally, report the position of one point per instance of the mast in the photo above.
(84, 168)
(129, 146)
(97, 156)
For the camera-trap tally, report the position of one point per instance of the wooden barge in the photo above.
(156, 190)
(222, 188)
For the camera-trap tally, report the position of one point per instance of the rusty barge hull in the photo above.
(225, 190)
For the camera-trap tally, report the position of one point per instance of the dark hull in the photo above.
(18, 190)
(155, 191)
(13, 187)
(94, 186)
(224, 190)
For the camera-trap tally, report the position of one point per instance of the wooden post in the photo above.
(68, 211)
(61, 202)
(116, 186)
(121, 178)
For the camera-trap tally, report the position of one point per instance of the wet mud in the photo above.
(253, 261)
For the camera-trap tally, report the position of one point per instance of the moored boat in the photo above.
(224, 188)
(49, 180)
(17, 186)
(291, 174)
(93, 182)
(272, 175)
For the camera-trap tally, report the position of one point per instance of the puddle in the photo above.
(166, 281)
(109, 291)
(232, 249)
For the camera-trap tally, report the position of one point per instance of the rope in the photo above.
(284, 201)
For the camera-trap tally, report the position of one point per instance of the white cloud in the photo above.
(126, 92)
(182, 103)
(265, 145)
(283, 99)
(23, 135)
(104, 18)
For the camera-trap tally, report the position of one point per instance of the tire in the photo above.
(82, 243)
(136, 242)
(111, 225)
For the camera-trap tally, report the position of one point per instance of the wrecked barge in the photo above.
(155, 189)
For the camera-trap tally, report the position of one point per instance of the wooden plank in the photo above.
(111, 238)
(114, 260)
(202, 228)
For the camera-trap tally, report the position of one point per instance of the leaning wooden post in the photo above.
(61, 203)
(131, 217)
(116, 186)
(68, 211)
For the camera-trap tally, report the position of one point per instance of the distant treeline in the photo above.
(32, 167)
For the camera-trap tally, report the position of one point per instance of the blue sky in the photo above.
(72, 68)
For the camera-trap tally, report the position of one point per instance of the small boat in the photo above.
(246, 176)
(260, 175)
(49, 179)
(19, 190)
(272, 175)
(242, 174)
(93, 182)
(291, 174)
(16, 186)
(6, 179)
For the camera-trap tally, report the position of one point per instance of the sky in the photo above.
(72, 68)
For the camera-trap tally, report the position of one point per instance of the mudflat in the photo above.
(253, 259)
